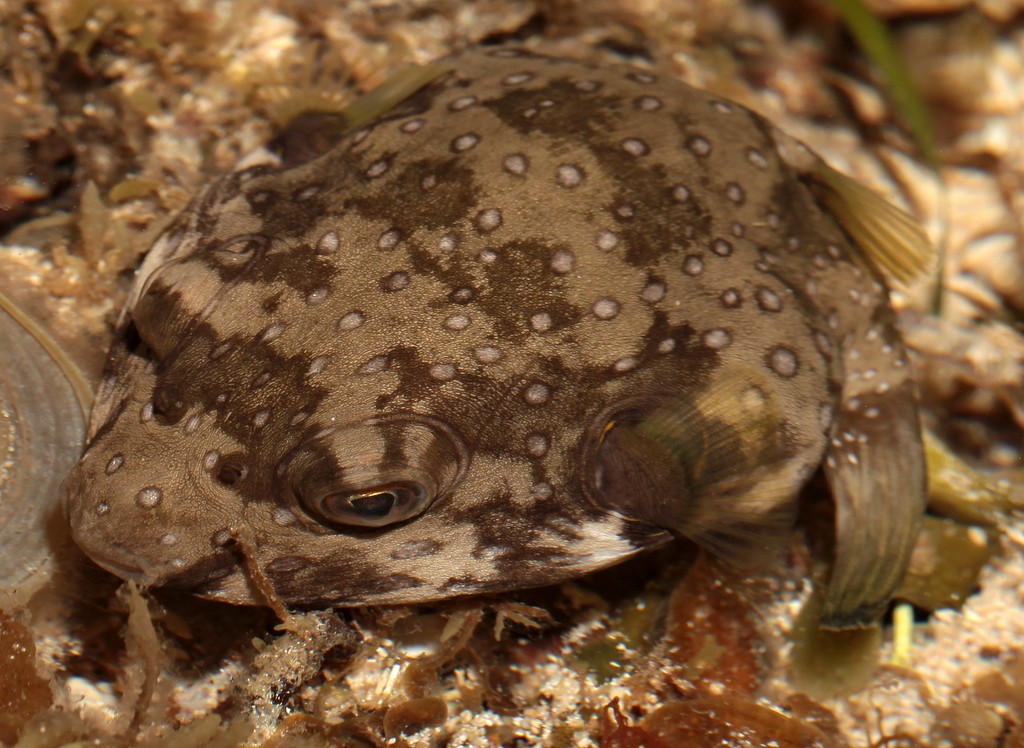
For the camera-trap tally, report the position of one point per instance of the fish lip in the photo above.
(122, 570)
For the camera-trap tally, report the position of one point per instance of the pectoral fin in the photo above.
(875, 465)
(709, 466)
(890, 238)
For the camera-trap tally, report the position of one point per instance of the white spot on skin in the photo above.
(515, 163)
(462, 295)
(487, 256)
(377, 169)
(429, 181)
(653, 292)
(316, 296)
(607, 240)
(317, 365)
(731, 298)
(192, 424)
(283, 517)
(488, 220)
(272, 333)
(757, 158)
(625, 211)
(537, 393)
(541, 491)
(220, 350)
(307, 192)
(389, 240)
(465, 142)
(448, 243)
(768, 300)
(563, 261)
(693, 265)
(168, 539)
(698, 146)
(635, 147)
(102, 508)
(605, 309)
(825, 417)
(541, 321)
(716, 339)
(516, 79)
(667, 345)
(463, 102)
(648, 103)
(396, 281)
(442, 372)
(149, 497)
(721, 247)
(569, 176)
(412, 125)
(783, 362)
(210, 459)
(260, 418)
(722, 106)
(680, 193)
(624, 365)
(328, 243)
(351, 321)
(375, 365)
(487, 354)
(587, 86)
(146, 412)
(114, 464)
(735, 193)
(537, 445)
(457, 322)
(822, 343)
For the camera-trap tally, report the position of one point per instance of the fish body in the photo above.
(531, 320)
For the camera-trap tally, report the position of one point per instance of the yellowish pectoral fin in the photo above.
(876, 469)
(709, 466)
(891, 239)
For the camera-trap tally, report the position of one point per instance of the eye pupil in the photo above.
(374, 504)
(375, 507)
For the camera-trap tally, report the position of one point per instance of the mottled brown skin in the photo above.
(481, 298)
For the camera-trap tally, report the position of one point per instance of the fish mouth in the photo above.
(120, 569)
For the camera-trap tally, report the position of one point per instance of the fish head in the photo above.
(346, 462)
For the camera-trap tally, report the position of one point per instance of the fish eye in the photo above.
(375, 507)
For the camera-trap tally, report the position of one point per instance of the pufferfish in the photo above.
(530, 319)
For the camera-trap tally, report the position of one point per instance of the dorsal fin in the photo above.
(891, 239)
(397, 88)
(709, 466)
